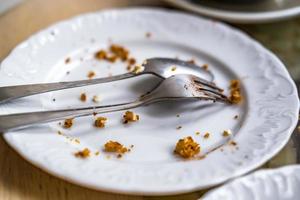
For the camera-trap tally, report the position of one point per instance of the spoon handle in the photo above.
(14, 92)
(23, 120)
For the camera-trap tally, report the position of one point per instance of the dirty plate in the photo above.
(266, 116)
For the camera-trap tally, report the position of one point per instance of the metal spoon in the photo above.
(161, 67)
(177, 87)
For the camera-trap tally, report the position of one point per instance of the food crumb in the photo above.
(53, 99)
(131, 61)
(236, 117)
(130, 116)
(100, 122)
(206, 135)
(226, 133)
(197, 133)
(205, 66)
(101, 54)
(187, 147)
(233, 143)
(59, 133)
(91, 74)
(179, 127)
(68, 123)
(83, 97)
(235, 92)
(115, 147)
(148, 35)
(138, 69)
(67, 60)
(96, 99)
(173, 68)
(191, 61)
(177, 115)
(83, 154)
(77, 141)
(298, 129)
(97, 153)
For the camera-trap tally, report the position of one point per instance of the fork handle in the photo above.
(23, 120)
(13, 92)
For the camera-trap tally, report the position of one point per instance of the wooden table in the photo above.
(21, 180)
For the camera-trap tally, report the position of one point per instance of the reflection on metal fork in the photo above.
(177, 87)
(161, 67)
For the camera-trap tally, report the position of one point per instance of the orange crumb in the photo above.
(206, 135)
(130, 116)
(83, 97)
(100, 122)
(235, 92)
(68, 123)
(67, 60)
(83, 154)
(91, 74)
(187, 147)
(116, 147)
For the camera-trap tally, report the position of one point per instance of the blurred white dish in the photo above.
(267, 116)
(276, 184)
(256, 12)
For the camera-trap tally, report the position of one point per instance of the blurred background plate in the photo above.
(246, 12)
(277, 184)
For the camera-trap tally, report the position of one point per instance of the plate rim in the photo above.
(235, 16)
(260, 172)
(157, 193)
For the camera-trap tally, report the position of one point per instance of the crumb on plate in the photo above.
(83, 97)
(100, 122)
(68, 123)
(115, 147)
(137, 69)
(187, 147)
(206, 135)
(235, 92)
(83, 154)
(205, 66)
(227, 133)
(173, 68)
(130, 116)
(96, 99)
(148, 34)
(68, 60)
(179, 127)
(236, 117)
(91, 74)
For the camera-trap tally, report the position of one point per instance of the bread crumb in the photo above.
(187, 147)
(227, 133)
(68, 123)
(67, 60)
(235, 93)
(130, 116)
(83, 97)
(197, 133)
(101, 54)
(91, 74)
(100, 122)
(173, 68)
(179, 127)
(138, 69)
(148, 34)
(97, 153)
(205, 67)
(236, 117)
(115, 147)
(96, 99)
(77, 141)
(206, 135)
(83, 154)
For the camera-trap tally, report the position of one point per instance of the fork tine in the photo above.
(207, 83)
(212, 92)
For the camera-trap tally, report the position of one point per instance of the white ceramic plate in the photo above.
(257, 12)
(267, 115)
(276, 184)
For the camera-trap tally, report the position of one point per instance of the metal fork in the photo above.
(161, 67)
(177, 87)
